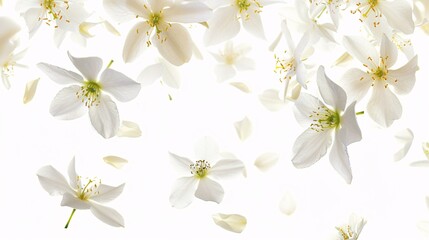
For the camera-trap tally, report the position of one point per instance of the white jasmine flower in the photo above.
(291, 63)
(62, 14)
(225, 23)
(159, 25)
(202, 172)
(332, 6)
(383, 107)
(397, 13)
(88, 93)
(82, 193)
(325, 121)
(352, 230)
(232, 59)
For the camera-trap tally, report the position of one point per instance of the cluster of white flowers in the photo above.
(377, 55)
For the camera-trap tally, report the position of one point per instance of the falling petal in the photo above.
(343, 59)
(271, 100)
(30, 90)
(111, 28)
(85, 27)
(266, 161)
(425, 147)
(405, 139)
(129, 129)
(115, 161)
(287, 204)
(422, 163)
(241, 86)
(231, 222)
(243, 128)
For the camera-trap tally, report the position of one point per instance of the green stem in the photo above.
(360, 113)
(110, 64)
(71, 215)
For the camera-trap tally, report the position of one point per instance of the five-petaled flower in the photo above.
(82, 193)
(383, 106)
(89, 93)
(160, 26)
(325, 121)
(200, 183)
(352, 230)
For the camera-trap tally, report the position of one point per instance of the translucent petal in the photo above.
(183, 192)
(88, 66)
(70, 200)
(209, 190)
(398, 14)
(60, 75)
(107, 215)
(383, 106)
(178, 46)
(223, 25)
(253, 24)
(405, 138)
(136, 41)
(404, 78)
(53, 181)
(271, 100)
(310, 146)
(243, 128)
(182, 164)
(339, 159)
(226, 168)
(332, 94)
(207, 149)
(189, 12)
(116, 162)
(241, 86)
(231, 222)
(66, 105)
(350, 131)
(287, 204)
(266, 161)
(129, 129)
(105, 117)
(120, 86)
(30, 90)
(108, 193)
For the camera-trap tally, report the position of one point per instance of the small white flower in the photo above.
(231, 59)
(352, 230)
(225, 24)
(383, 107)
(398, 14)
(62, 14)
(88, 93)
(82, 193)
(325, 121)
(200, 182)
(159, 26)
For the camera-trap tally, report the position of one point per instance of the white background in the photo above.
(389, 195)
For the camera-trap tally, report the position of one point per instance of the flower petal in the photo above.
(287, 204)
(404, 78)
(399, 15)
(107, 193)
(70, 200)
(405, 138)
(107, 215)
(389, 51)
(339, 159)
(88, 66)
(30, 90)
(383, 106)
(332, 94)
(350, 131)
(356, 84)
(224, 21)
(226, 168)
(60, 75)
(231, 222)
(8, 30)
(243, 128)
(209, 190)
(271, 100)
(305, 106)
(189, 12)
(361, 49)
(245, 63)
(72, 173)
(105, 117)
(116, 162)
(120, 86)
(31, 18)
(122, 11)
(150, 74)
(53, 181)
(183, 192)
(177, 47)
(129, 129)
(66, 105)
(136, 41)
(241, 86)
(310, 146)
(207, 149)
(253, 24)
(182, 164)
(170, 74)
(266, 161)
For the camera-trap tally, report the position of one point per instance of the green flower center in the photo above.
(324, 118)
(380, 73)
(243, 5)
(89, 189)
(200, 168)
(155, 19)
(89, 93)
